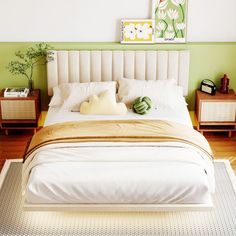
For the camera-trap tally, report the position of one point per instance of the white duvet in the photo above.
(123, 173)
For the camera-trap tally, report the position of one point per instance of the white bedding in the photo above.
(121, 172)
(56, 115)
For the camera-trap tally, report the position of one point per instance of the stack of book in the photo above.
(16, 92)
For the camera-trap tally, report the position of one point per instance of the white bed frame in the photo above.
(119, 207)
(93, 66)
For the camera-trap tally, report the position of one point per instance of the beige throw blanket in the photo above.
(118, 131)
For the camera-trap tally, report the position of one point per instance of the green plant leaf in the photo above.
(33, 57)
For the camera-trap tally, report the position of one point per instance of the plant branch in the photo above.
(32, 58)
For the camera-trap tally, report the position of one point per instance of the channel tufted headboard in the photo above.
(92, 66)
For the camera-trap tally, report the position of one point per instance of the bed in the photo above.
(117, 162)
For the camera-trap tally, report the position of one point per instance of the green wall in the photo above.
(207, 61)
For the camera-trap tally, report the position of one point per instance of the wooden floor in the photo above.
(13, 146)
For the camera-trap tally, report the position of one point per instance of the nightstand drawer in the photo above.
(217, 111)
(18, 109)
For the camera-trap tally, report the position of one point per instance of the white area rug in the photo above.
(219, 221)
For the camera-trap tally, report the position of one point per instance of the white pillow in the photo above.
(74, 94)
(56, 100)
(163, 93)
(103, 104)
(60, 94)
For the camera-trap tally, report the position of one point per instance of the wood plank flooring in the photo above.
(13, 146)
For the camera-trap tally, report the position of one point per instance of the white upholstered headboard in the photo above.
(92, 66)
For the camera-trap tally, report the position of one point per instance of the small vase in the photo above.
(30, 85)
(224, 87)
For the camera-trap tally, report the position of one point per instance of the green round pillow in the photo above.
(142, 105)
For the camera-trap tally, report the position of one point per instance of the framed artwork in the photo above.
(170, 20)
(137, 31)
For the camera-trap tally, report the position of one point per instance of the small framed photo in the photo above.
(137, 31)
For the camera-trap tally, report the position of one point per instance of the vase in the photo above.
(30, 85)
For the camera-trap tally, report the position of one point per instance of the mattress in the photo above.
(121, 173)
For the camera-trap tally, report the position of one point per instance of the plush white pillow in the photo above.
(163, 93)
(73, 94)
(60, 94)
(103, 104)
(56, 100)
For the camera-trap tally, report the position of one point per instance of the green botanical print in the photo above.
(170, 19)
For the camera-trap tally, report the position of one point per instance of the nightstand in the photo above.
(216, 112)
(20, 113)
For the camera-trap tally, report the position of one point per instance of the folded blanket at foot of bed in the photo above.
(134, 157)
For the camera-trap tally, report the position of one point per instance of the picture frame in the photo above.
(137, 31)
(170, 18)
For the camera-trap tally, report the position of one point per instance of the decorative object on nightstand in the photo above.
(224, 84)
(16, 92)
(33, 57)
(216, 113)
(20, 112)
(208, 86)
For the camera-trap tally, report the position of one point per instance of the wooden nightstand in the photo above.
(216, 112)
(20, 113)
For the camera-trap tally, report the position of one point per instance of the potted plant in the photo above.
(33, 57)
